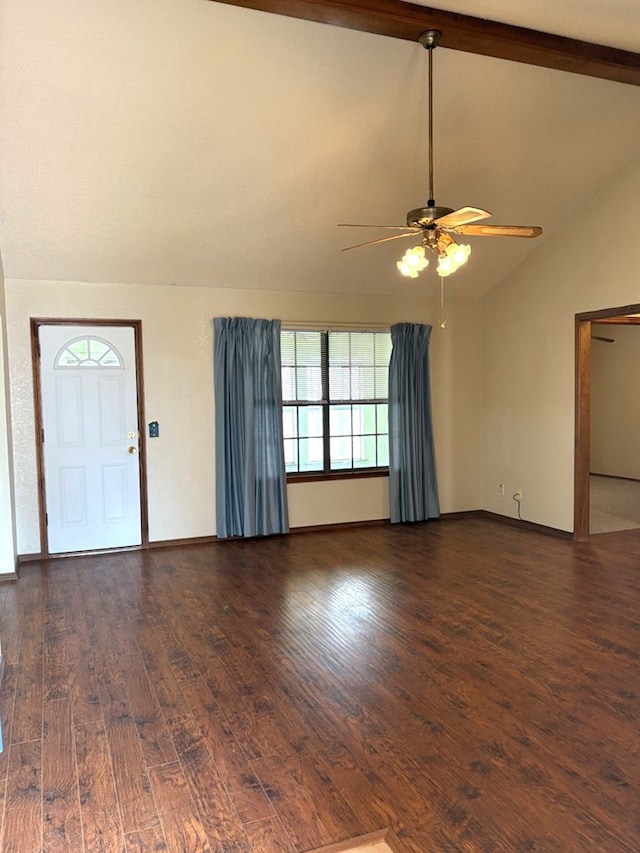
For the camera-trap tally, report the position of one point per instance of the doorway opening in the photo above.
(627, 314)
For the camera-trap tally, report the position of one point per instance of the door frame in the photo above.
(582, 443)
(136, 325)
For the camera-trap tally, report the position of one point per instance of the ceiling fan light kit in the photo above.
(413, 261)
(435, 224)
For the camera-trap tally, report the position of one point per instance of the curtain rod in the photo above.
(292, 325)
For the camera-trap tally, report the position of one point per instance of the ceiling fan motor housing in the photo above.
(434, 222)
(425, 217)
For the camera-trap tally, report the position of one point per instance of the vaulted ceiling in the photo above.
(191, 142)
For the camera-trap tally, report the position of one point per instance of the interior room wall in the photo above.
(178, 376)
(7, 521)
(615, 401)
(528, 351)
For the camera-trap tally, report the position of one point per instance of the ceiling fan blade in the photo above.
(499, 230)
(461, 217)
(381, 240)
(395, 227)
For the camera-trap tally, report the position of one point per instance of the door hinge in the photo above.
(42, 431)
(46, 518)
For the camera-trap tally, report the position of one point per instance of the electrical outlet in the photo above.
(517, 496)
(500, 490)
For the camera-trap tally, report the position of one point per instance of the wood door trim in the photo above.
(619, 321)
(36, 322)
(37, 410)
(582, 430)
(582, 450)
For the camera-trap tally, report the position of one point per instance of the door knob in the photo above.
(133, 450)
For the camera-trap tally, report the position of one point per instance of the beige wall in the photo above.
(528, 351)
(508, 360)
(7, 528)
(615, 401)
(178, 376)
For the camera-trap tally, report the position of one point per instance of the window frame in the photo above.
(325, 403)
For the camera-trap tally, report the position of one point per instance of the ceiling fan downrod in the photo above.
(424, 217)
(430, 39)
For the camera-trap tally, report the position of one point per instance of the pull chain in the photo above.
(443, 322)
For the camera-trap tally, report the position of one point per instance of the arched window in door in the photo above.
(87, 352)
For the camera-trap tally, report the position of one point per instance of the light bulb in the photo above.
(406, 269)
(413, 261)
(452, 258)
(458, 252)
(445, 266)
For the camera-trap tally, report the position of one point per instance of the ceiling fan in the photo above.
(436, 224)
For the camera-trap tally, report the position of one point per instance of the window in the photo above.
(88, 352)
(335, 391)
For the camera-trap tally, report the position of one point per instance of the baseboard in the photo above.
(614, 477)
(30, 558)
(314, 528)
(340, 525)
(8, 576)
(454, 516)
(504, 519)
(525, 525)
(193, 540)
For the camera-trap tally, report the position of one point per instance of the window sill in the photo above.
(318, 476)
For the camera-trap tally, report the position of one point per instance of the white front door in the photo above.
(91, 447)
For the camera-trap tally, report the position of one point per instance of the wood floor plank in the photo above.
(180, 819)
(56, 685)
(27, 709)
(101, 822)
(7, 702)
(111, 634)
(60, 795)
(166, 687)
(244, 788)
(83, 685)
(133, 789)
(23, 805)
(474, 686)
(3, 797)
(241, 680)
(369, 794)
(56, 666)
(182, 829)
(311, 809)
(269, 836)
(218, 816)
(155, 740)
(150, 840)
(11, 619)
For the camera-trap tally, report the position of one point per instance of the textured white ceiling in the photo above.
(615, 23)
(165, 141)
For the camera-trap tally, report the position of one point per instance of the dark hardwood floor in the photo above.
(474, 686)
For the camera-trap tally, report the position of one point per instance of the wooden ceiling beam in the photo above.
(462, 32)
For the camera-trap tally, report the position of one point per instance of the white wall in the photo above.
(615, 401)
(178, 376)
(7, 527)
(528, 351)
